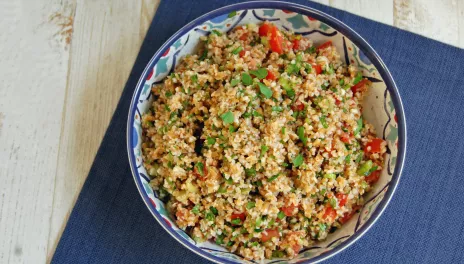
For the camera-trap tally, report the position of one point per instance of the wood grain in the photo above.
(34, 58)
(64, 64)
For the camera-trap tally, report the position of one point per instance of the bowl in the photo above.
(382, 108)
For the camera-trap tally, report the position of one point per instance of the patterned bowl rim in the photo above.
(336, 24)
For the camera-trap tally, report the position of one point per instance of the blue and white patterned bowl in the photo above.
(382, 108)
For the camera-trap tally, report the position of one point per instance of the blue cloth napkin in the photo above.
(423, 223)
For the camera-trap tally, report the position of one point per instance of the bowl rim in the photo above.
(339, 26)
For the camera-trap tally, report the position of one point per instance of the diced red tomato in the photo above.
(242, 53)
(264, 29)
(347, 216)
(179, 214)
(345, 137)
(325, 45)
(296, 248)
(241, 216)
(297, 106)
(288, 210)
(373, 177)
(276, 38)
(267, 234)
(317, 68)
(359, 86)
(296, 44)
(374, 146)
(244, 36)
(198, 175)
(341, 199)
(270, 76)
(330, 213)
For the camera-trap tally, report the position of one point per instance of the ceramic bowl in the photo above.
(382, 108)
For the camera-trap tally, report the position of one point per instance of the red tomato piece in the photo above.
(297, 106)
(325, 45)
(198, 175)
(244, 36)
(345, 138)
(268, 234)
(373, 177)
(374, 146)
(358, 87)
(242, 53)
(296, 44)
(276, 41)
(264, 29)
(341, 199)
(296, 248)
(330, 213)
(242, 216)
(347, 216)
(317, 68)
(270, 76)
(288, 210)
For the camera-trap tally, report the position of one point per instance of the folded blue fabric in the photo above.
(423, 223)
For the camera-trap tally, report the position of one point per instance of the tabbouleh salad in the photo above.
(258, 143)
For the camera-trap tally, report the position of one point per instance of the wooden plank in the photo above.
(437, 19)
(106, 40)
(34, 53)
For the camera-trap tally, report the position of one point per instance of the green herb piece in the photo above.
(258, 183)
(372, 170)
(200, 168)
(322, 192)
(229, 180)
(277, 108)
(237, 50)
(234, 82)
(222, 189)
(250, 172)
(278, 254)
(348, 158)
(260, 73)
(254, 244)
(324, 86)
(300, 133)
(365, 168)
(210, 141)
(281, 215)
(298, 160)
(230, 243)
(264, 149)
(271, 223)
(358, 78)
(203, 55)
(359, 127)
(258, 230)
(194, 78)
(364, 184)
(330, 70)
(196, 209)
(216, 32)
(228, 117)
(220, 239)
(250, 205)
(287, 87)
(168, 94)
(273, 178)
(360, 156)
(322, 227)
(232, 129)
(258, 222)
(341, 82)
(232, 14)
(236, 221)
(209, 216)
(283, 130)
(257, 114)
(330, 176)
(246, 115)
(213, 210)
(311, 49)
(324, 121)
(333, 202)
(265, 90)
(246, 79)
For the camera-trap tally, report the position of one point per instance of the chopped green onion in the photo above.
(229, 180)
(246, 79)
(228, 117)
(196, 209)
(234, 82)
(300, 133)
(250, 205)
(264, 41)
(277, 108)
(311, 49)
(333, 202)
(330, 176)
(236, 221)
(364, 184)
(203, 55)
(372, 170)
(264, 149)
(265, 90)
(237, 50)
(271, 223)
(209, 216)
(222, 189)
(341, 82)
(230, 243)
(260, 73)
(348, 158)
(360, 156)
(278, 254)
(322, 227)
(168, 94)
(358, 78)
(232, 129)
(220, 239)
(281, 215)
(210, 141)
(258, 183)
(257, 114)
(213, 210)
(200, 168)
(273, 178)
(298, 160)
(324, 121)
(365, 168)
(359, 127)
(194, 78)
(250, 172)
(258, 222)
(246, 115)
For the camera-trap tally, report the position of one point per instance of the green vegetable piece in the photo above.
(250, 172)
(365, 168)
(229, 181)
(210, 141)
(330, 176)
(273, 178)
(359, 127)
(237, 50)
(234, 82)
(258, 222)
(283, 130)
(203, 55)
(324, 121)
(250, 205)
(372, 170)
(322, 227)
(311, 49)
(333, 202)
(257, 114)
(265, 90)
(222, 189)
(236, 221)
(246, 115)
(300, 133)
(360, 156)
(298, 160)
(277, 108)
(196, 209)
(194, 78)
(168, 94)
(271, 223)
(260, 73)
(232, 14)
(246, 79)
(232, 129)
(258, 183)
(220, 239)
(213, 210)
(209, 216)
(341, 82)
(281, 215)
(200, 168)
(358, 78)
(228, 117)
(348, 158)
(278, 254)
(264, 149)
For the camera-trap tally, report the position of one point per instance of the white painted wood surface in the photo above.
(64, 64)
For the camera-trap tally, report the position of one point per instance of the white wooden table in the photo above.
(64, 64)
